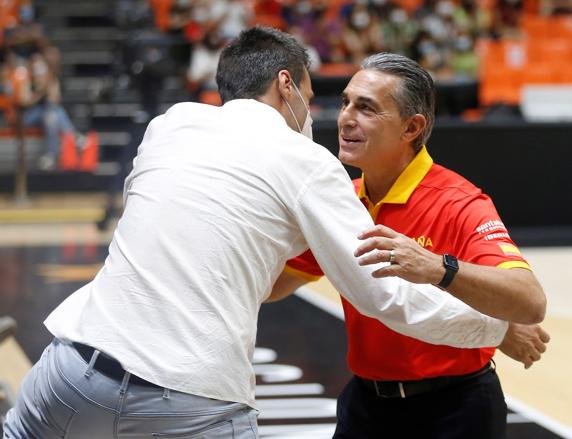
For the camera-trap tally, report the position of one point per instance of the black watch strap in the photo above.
(451, 267)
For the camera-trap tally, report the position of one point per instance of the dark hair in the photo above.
(417, 92)
(249, 64)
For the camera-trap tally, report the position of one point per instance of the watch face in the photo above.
(451, 262)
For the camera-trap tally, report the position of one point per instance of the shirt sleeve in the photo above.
(304, 266)
(483, 238)
(331, 217)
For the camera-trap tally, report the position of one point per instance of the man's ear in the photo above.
(284, 83)
(413, 128)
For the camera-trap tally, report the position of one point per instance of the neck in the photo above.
(379, 180)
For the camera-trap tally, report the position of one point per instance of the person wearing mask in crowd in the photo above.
(160, 342)
(451, 236)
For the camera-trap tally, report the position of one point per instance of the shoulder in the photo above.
(447, 183)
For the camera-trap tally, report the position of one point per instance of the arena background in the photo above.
(503, 122)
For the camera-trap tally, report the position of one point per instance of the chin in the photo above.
(347, 158)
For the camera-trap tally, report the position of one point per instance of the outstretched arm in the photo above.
(330, 216)
(513, 295)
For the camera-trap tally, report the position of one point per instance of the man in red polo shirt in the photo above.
(451, 236)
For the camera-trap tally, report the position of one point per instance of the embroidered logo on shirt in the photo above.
(490, 226)
(424, 241)
(493, 226)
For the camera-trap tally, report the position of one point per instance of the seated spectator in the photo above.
(464, 61)
(398, 30)
(204, 61)
(361, 32)
(31, 72)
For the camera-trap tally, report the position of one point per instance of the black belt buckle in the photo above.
(389, 389)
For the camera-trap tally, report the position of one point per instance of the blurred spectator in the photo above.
(467, 17)
(237, 17)
(506, 19)
(31, 72)
(399, 30)
(464, 61)
(557, 7)
(361, 32)
(204, 60)
(323, 34)
(313, 54)
(429, 53)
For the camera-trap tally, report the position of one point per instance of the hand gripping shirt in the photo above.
(444, 213)
(219, 198)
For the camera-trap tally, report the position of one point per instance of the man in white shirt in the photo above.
(160, 342)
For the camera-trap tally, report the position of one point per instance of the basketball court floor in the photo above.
(51, 247)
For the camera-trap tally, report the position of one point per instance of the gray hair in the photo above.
(417, 92)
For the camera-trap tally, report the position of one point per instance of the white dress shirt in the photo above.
(218, 200)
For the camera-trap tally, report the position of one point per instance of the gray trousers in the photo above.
(63, 397)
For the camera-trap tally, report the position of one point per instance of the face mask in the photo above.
(306, 130)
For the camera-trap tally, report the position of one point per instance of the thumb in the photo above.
(389, 271)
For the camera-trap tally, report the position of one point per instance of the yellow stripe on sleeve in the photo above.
(514, 264)
(301, 274)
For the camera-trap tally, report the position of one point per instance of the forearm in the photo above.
(514, 295)
(508, 294)
(285, 285)
(426, 313)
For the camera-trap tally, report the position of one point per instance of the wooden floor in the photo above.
(62, 231)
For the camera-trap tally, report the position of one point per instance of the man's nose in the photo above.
(346, 117)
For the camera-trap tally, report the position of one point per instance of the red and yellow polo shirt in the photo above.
(444, 213)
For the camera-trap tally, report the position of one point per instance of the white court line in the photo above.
(514, 404)
(538, 417)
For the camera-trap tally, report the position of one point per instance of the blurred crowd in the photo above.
(163, 39)
(439, 34)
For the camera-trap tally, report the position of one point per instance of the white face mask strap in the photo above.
(300, 96)
(293, 115)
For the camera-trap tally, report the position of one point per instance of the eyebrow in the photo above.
(361, 99)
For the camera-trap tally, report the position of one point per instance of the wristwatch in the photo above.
(451, 267)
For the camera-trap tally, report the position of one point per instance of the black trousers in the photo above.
(472, 409)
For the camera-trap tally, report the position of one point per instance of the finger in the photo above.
(535, 356)
(527, 364)
(390, 270)
(373, 244)
(544, 336)
(379, 230)
(375, 257)
(540, 346)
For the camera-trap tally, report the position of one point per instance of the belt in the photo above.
(403, 389)
(108, 366)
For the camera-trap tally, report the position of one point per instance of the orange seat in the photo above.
(550, 50)
(539, 74)
(563, 74)
(502, 85)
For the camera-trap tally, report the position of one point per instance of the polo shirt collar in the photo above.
(407, 181)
